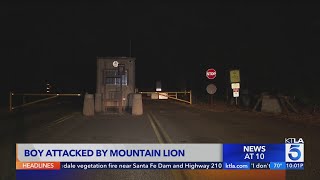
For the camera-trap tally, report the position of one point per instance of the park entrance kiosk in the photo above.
(115, 82)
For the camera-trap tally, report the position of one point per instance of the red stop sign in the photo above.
(211, 73)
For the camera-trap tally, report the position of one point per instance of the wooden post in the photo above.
(190, 97)
(257, 104)
(24, 100)
(10, 101)
(100, 77)
(291, 106)
(283, 104)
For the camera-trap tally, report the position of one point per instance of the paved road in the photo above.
(162, 122)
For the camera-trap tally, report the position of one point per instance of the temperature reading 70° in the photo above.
(277, 165)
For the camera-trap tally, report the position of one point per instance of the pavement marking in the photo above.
(60, 120)
(155, 129)
(52, 124)
(177, 175)
(165, 134)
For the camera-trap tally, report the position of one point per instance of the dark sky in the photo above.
(276, 45)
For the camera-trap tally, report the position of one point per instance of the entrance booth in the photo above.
(115, 82)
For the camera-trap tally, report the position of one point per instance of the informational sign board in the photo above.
(211, 73)
(235, 76)
(235, 85)
(211, 89)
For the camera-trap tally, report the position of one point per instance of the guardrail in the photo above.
(51, 96)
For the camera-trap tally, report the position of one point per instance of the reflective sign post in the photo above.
(236, 94)
(211, 89)
(235, 83)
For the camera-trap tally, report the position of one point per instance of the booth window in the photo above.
(111, 77)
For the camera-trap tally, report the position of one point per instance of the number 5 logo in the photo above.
(294, 153)
(294, 149)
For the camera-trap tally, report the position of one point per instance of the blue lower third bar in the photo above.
(277, 165)
(236, 165)
(295, 166)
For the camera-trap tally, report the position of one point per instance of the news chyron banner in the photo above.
(287, 156)
(119, 156)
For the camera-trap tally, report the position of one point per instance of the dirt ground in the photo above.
(304, 116)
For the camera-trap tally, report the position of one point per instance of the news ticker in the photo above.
(162, 165)
(287, 156)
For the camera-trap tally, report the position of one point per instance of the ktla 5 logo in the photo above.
(294, 152)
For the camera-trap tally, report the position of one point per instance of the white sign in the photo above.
(236, 92)
(235, 85)
(158, 86)
(115, 63)
(211, 89)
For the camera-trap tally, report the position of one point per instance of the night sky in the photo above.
(275, 45)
